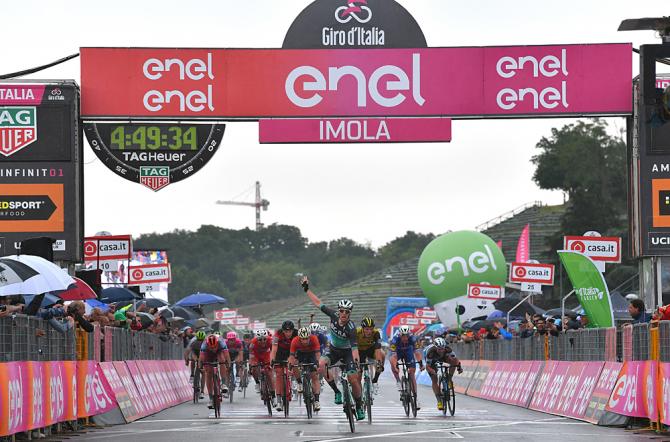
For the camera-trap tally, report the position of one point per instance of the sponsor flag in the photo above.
(523, 246)
(499, 244)
(590, 288)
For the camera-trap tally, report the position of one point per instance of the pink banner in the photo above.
(94, 395)
(634, 393)
(479, 378)
(511, 382)
(366, 130)
(21, 94)
(523, 246)
(136, 398)
(145, 391)
(120, 393)
(664, 391)
(565, 388)
(277, 83)
(462, 381)
(39, 397)
(601, 394)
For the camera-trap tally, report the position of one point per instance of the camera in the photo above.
(3, 308)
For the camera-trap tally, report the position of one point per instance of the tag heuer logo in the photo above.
(155, 177)
(18, 128)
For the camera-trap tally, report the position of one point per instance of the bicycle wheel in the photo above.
(451, 397)
(196, 386)
(404, 395)
(444, 387)
(287, 391)
(349, 408)
(216, 397)
(307, 394)
(267, 395)
(244, 381)
(368, 398)
(412, 398)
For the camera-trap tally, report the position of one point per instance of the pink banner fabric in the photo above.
(136, 398)
(523, 246)
(511, 382)
(664, 391)
(120, 393)
(601, 394)
(565, 388)
(94, 394)
(634, 393)
(462, 381)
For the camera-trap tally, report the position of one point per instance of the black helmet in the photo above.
(288, 325)
(367, 322)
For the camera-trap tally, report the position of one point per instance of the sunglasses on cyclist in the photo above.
(348, 312)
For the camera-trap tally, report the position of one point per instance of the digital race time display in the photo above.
(154, 154)
(154, 137)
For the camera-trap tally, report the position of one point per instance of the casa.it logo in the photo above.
(362, 14)
(138, 274)
(476, 291)
(578, 246)
(520, 272)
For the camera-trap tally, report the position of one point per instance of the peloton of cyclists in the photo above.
(404, 348)
(438, 352)
(343, 347)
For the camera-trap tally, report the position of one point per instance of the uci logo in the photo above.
(344, 14)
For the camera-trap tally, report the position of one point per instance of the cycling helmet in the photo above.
(231, 335)
(367, 322)
(212, 341)
(324, 329)
(440, 343)
(216, 333)
(345, 304)
(262, 334)
(304, 333)
(314, 327)
(288, 325)
(404, 330)
(201, 335)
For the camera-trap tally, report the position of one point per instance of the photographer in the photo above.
(74, 315)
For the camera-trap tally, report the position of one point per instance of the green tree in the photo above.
(403, 248)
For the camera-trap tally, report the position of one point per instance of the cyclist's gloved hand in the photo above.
(421, 367)
(305, 284)
(460, 369)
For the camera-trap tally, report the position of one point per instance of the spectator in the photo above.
(498, 332)
(583, 321)
(637, 312)
(661, 314)
(526, 329)
(74, 315)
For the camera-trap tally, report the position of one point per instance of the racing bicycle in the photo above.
(266, 390)
(407, 390)
(367, 389)
(348, 403)
(216, 393)
(446, 389)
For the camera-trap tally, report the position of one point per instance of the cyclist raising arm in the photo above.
(343, 347)
(438, 352)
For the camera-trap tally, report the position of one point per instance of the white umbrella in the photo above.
(48, 276)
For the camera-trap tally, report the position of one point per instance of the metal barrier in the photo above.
(574, 345)
(28, 338)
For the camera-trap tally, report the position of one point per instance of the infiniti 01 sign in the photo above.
(605, 249)
(533, 273)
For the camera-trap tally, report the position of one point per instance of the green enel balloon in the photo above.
(452, 261)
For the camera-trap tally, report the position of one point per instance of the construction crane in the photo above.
(258, 204)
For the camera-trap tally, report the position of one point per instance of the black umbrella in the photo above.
(506, 304)
(557, 312)
(118, 294)
(182, 312)
(146, 319)
(483, 323)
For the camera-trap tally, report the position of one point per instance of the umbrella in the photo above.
(557, 312)
(31, 275)
(146, 319)
(198, 323)
(176, 321)
(78, 291)
(182, 312)
(436, 328)
(496, 314)
(506, 304)
(200, 299)
(47, 301)
(483, 323)
(117, 294)
(94, 303)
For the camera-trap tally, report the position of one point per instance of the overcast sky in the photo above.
(370, 193)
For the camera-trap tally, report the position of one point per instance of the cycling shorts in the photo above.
(282, 355)
(367, 354)
(335, 355)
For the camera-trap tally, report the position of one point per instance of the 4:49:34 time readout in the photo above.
(154, 137)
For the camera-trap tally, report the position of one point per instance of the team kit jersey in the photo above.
(433, 355)
(261, 350)
(234, 347)
(211, 355)
(342, 341)
(305, 352)
(283, 344)
(194, 346)
(405, 351)
(368, 345)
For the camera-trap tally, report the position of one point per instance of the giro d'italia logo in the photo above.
(18, 128)
(362, 14)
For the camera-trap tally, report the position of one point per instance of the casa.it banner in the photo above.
(586, 79)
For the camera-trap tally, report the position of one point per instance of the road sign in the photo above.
(424, 321)
(409, 321)
(258, 325)
(527, 272)
(485, 291)
(149, 274)
(107, 248)
(107, 265)
(531, 287)
(242, 320)
(605, 249)
(426, 313)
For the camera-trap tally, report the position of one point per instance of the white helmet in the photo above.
(345, 304)
(315, 327)
(303, 333)
(404, 330)
(324, 329)
(440, 343)
(262, 333)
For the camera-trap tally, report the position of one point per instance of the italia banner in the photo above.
(590, 288)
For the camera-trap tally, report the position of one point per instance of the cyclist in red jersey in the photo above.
(214, 349)
(305, 349)
(281, 348)
(260, 351)
(236, 352)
